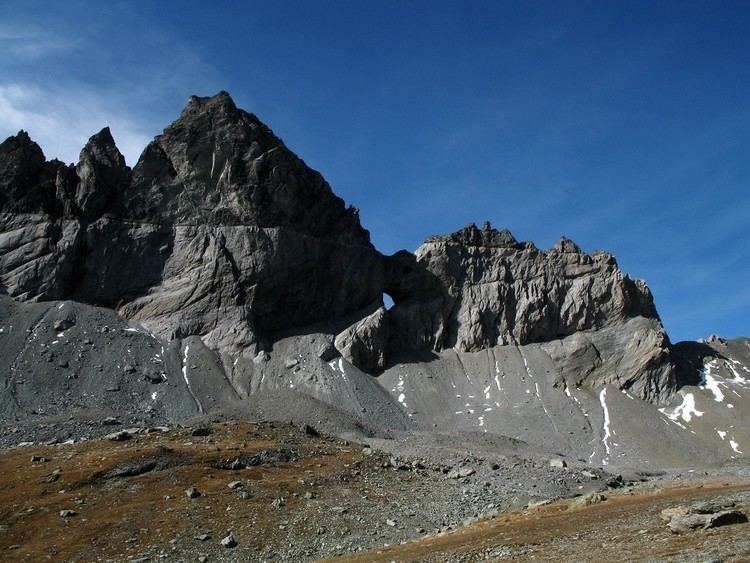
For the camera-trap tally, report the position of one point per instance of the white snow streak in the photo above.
(184, 367)
(737, 377)
(721, 434)
(708, 381)
(605, 439)
(735, 446)
(187, 381)
(686, 410)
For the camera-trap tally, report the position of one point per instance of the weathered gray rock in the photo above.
(219, 231)
(683, 523)
(501, 291)
(365, 343)
(223, 232)
(476, 288)
(102, 173)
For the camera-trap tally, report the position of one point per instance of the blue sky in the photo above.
(622, 125)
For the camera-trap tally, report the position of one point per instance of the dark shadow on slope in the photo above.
(690, 357)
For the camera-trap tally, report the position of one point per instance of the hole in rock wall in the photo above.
(387, 301)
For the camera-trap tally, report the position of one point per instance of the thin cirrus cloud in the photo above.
(63, 87)
(61, 120)
(31, 44)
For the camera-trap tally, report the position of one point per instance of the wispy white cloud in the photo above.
(31, 44)
(62, 119)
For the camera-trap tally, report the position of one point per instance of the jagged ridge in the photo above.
(220, 231)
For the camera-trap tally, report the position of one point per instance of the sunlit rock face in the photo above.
(220, 231)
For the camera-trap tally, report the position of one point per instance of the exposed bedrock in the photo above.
(479, 288)
(221, 232)
(218, 231)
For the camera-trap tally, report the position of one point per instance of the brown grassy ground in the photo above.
(626, 527)
(118, 516)
(124, 518)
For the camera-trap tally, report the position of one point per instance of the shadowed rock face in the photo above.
(220, 231)
(475, 289)
(482, 288)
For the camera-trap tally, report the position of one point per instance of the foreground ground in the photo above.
(285, 493)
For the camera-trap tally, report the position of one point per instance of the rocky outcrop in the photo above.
(102, 176)
(479, 288)
(365, 343)
(220, 231)
(495, 290)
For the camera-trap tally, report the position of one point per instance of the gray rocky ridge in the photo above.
(229, 275)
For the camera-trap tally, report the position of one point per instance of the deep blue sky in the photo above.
(622, 125)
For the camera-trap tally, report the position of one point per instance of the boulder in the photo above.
(364, 344)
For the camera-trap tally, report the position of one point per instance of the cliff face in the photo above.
(485, 288)
(475, 289)
(220, 231)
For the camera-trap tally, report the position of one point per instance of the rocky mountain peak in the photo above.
(102, 174)
(220, 102)
(27, 180)
(487, 237)
(226, 234)
(218, 164)
(566, 245)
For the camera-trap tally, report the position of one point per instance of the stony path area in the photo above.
(626, 526)
(261, 491)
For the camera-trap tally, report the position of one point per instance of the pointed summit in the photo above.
(218, 164)
(221, 102)
(102, 172)
(27, 180)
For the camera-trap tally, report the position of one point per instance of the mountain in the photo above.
(221, 274)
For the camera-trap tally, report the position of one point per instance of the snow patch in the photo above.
(721, 434)
(735, 446)
(708, 381)
(605, 439)
(686, 410)
(187, 381)
(737, 377)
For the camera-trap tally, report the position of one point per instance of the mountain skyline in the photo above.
(621, 128)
